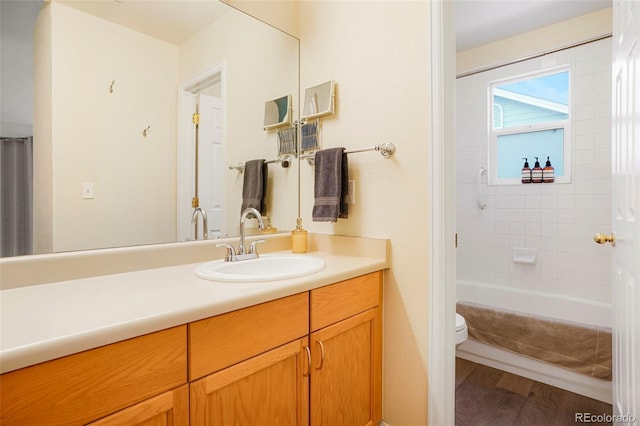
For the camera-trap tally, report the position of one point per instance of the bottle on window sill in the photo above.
(536, 172)
(526, 172)
(548, 172)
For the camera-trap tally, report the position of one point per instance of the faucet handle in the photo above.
(231, 252)
(252, 247)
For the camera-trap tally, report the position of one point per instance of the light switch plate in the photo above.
(88, 191)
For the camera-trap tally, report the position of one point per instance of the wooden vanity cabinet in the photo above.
(346, 347)
(312, 358)
(87, 386)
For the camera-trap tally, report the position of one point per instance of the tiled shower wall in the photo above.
(558, 220)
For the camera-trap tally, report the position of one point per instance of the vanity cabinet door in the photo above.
(346, 346)
(346, 373)
(268, 389)
(168, 409)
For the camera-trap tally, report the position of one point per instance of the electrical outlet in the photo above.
(351, 198)
(87, 191)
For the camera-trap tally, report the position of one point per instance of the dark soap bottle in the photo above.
(526, 172)
(547, 172)
(536, 172)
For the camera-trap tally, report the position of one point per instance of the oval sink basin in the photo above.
(268, 267)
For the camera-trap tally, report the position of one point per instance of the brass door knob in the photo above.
(603, 238)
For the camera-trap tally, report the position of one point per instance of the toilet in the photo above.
(461, 329)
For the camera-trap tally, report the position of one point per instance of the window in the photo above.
(530, 117)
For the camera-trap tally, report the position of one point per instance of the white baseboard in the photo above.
(536, 370)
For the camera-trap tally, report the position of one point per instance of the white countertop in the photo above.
(42, 322)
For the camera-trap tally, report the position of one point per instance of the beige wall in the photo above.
(104, 131)
(546, 39)
(377, 53)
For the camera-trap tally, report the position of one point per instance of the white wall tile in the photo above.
(557, 219)
(517, 228)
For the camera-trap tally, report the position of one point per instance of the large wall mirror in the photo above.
(116, 84)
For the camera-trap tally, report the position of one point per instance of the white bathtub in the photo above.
(537, 303)
(542, 304)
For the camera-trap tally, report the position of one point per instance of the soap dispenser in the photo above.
(547, 172)
(536, 172)
(299, 238)
(526, 172)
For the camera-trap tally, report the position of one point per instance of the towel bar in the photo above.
(386, 149)
(284, 162)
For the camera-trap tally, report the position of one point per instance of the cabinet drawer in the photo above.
(86, 386)
(338, 301)
(224, 340)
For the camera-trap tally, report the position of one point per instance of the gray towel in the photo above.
(331, 185)
(254, 186)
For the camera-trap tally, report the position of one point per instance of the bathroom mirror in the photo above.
(318, 100)
(278, 112)
(108, 118)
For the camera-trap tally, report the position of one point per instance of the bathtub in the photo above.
(541, 304)
(536, 303)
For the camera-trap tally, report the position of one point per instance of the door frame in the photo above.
(442, 188)
(186, 139)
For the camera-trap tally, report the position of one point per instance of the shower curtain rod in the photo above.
(526, 58)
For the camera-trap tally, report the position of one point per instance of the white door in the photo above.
(186, 166)
(626, 211)
(211, 162)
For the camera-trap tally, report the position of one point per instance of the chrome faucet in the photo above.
(243, 217)
(205, 223)
(241, 253)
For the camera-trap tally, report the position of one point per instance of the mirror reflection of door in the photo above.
(211, 161)
(201, 154)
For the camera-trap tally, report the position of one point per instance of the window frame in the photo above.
(493, 134)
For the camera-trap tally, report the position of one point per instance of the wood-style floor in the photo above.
(487, 396)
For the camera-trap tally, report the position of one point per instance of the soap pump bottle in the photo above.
(536, 172)
(299, 238)
(547, 172)
(526, 172)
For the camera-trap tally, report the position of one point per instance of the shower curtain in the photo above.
(16, 196)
